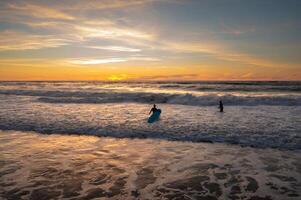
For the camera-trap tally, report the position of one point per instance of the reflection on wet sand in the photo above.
(36, 166)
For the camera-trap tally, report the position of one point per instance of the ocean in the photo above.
(91, 140)
(258, 114)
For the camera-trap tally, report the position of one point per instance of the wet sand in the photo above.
(36, 166)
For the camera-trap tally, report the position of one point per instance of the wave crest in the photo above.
(142, 97)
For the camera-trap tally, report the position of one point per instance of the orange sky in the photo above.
(149, 40)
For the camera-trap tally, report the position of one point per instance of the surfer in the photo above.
(155, 114)
(221, 106)
(154, 109)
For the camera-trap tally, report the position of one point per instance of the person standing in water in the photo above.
(221, 106)
(155, 114)
(154, 109)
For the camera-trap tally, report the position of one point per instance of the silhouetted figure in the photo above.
(221, 106)
(154, 109)
(155, 114)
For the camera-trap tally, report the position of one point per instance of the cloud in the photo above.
(143, 58)
(115, 48)
(220, 51)
(79, 33)
(64, 22)
(18, 61)
(12, 40)
(58, 24)
(58, 33)
(247, 59)
(61, 9)
(108, 4)
(111, 32)
(38, 11)
(81, 30)
(190, 47)
(97, 61)
(236, 30)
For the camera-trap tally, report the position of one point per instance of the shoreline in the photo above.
(143, 137)
(82, 167)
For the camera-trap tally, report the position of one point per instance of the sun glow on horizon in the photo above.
(119, 77)
(149, 40)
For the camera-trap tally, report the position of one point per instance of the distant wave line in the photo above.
(144, 97)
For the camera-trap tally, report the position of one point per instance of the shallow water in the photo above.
(169, 161)
(257, 114)
(260, 126)
(36, 166)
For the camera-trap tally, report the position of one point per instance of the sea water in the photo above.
(55, 166)
(52, 143)
(258, 114)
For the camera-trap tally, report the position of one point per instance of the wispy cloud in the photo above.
(98, 61)
(236, 30)
(63, 33)
(109, 31)
(190, 47)
(12, 40)
(31, 62)
(115, 48)
(38, 11)
(143, 58)
(108, 4)
(63, 10)
(222, 52)
(248, 59)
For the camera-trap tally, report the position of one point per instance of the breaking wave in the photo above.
(120, 110)
(144, 97)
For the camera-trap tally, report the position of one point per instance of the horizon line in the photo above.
(120, 81)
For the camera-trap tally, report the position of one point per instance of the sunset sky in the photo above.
(150, 40)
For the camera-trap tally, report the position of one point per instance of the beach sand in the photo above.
(38, 166)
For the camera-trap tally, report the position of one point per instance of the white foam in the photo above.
(257, 118)
(259, 126)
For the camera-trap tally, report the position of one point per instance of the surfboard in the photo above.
(154, 117)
